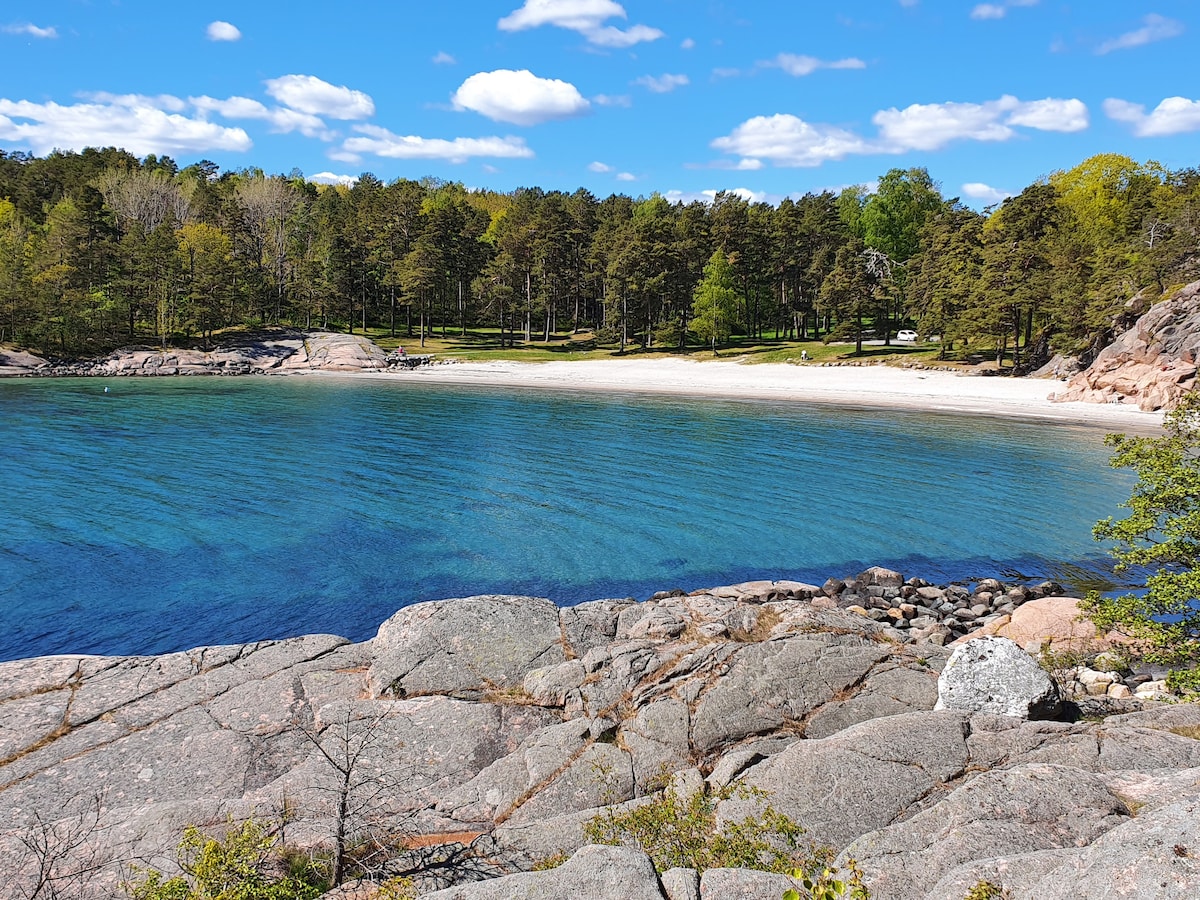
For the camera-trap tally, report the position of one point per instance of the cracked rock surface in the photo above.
(492, 728)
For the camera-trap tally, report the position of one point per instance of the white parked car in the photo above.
(906, 335)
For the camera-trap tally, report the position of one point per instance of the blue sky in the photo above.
(681, 97)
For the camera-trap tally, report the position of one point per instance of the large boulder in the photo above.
(1048, 623)
(1153, 364)
(465, 647)
(994, 675)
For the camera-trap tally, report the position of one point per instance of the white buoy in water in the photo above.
(106, 390)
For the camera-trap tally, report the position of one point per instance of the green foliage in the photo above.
(987, 890)
(1162, 533)
(682, 831)
(826, 884)
(398, 888)
(715, 302)
(236, 866)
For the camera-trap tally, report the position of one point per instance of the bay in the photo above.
(172, 513)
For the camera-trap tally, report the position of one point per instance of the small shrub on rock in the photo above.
(236, 866)
(827, 885)
(681, 830)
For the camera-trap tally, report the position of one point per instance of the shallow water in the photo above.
(173, 513)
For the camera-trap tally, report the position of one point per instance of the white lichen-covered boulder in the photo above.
(994, 675)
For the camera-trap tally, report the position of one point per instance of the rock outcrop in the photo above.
(1153, 364)
(273, 352)
(486, 731)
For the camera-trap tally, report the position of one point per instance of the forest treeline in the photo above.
(100, 248)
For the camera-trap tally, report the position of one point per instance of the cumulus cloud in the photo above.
(787, 140)
(931, 126)
(381, 142)
(687, 44)
(310, 94)
(28, 28)
(613, 100)
(586, 17)
(140, 124)
(599, 167)
(281, 119)
(223, 31)
(1174, 115)
(664, 84)
(626, 176)
(1154, 28)
(800, 65)
(444, 59)
(1051, 114)
(519, 97)
(331, 178)
(977, 190)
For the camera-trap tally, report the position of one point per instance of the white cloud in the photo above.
(663, 84)
(1051, 114)
(519, 97)
(381, 142)
(310, 94)
(1174, 115)
(787, 140)
(222, 31)
(331, 178)
(444, 59)
(1154, 28)
(32, 30)
(800, 65)
(988, 11)
(599, 167)
(998, 10)
(977, 190)
(930, 126)
(626, 176)
(615, 37)
(586, 17)
(613, 100)
(166, 102)
(344, 156)
(687, 44)
(139, 124)
(934, 125)
(281, 119)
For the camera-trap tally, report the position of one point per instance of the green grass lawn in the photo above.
(484, 344)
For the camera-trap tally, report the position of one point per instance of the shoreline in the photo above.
(859, 387)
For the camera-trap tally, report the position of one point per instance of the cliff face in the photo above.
(485, 731)
(1153, 364)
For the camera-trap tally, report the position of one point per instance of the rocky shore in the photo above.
(280, 352)
(480, 734)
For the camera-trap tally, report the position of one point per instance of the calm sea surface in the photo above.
(172, 513)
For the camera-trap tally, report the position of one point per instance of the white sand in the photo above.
(851, 386)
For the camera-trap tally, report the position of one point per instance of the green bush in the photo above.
(1161, 533)
(682, 831)
(236, 866)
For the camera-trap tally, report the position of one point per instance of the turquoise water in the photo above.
(172, 513)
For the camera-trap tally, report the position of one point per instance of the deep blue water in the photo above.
(172, 513)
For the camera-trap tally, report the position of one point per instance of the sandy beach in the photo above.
(850, 386)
